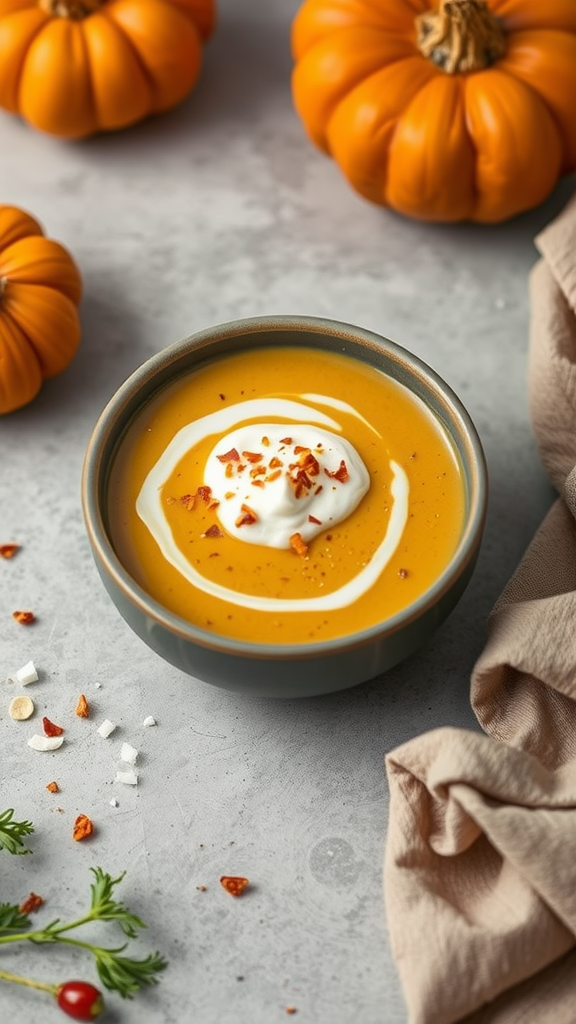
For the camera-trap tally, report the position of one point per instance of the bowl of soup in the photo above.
(284, 506)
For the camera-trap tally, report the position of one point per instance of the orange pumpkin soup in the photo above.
(286, 495)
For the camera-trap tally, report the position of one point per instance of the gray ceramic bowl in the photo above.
(306, 669)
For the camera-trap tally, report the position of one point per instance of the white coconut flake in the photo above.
(38, 742)
(149, 721)
(128, 778)
(27, 674)
(114, 802)
(106, 728)
(128, 753)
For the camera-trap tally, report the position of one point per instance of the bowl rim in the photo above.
(124, 397)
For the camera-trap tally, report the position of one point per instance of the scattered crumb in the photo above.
(24, 618)
(53, 787)
(25, 675)
(149, 721)
(31, 903)
(128, 778)
(83, 828)
(106, 728)
(128, 753)
(38, 742)
(82, 708)
(234, 884)
(114, 802)
(21, 708)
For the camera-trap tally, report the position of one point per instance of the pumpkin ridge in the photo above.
(546, 42)
(30, 38)
(20, 373)
(137, 56)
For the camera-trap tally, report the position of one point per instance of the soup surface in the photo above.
(285, 495)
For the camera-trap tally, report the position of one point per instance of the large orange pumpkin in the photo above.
(75, 67)
(40, 288)
(463, 112)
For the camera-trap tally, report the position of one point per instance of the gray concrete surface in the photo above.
(217, 210)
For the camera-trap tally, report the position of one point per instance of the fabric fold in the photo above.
(480, 866)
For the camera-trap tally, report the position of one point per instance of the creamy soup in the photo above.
(286, 495)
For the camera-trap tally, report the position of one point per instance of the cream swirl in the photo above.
(310, 422)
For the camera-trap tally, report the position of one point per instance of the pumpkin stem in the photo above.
(461, 36)
(74, 9)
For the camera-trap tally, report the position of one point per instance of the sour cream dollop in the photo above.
(150, 508)
(274, 481)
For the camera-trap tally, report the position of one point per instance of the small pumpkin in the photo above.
(40, 288)
(75, 67)
(466, 111)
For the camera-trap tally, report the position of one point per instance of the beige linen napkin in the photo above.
(480, 867)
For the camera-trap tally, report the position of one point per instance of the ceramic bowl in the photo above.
(295, 670)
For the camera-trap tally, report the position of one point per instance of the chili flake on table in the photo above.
(83, 828)
(82, 707)
(50, 728)
(31, 903)
(234, 884)
(8, 550)
(24, 618)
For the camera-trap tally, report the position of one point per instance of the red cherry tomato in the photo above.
(80, 1000)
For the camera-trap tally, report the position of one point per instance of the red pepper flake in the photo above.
(229, 471)
(50, 729)
(300, 448)
(31, 903)
(24, 618)
(234, 884)
(221, 396)
(286, 440)
(309, 463)
(213, 531)
(252, 456)
(340, 474)
(205, 493)
(247, 518)
(290, 1010)
(231, 456)
(82, 708)
(301, 483)
(273, 476)
(257, 483)
(265, 441)
(189, 501)
(275, 462)
(312, 519)
(258, 471)
(8, 550)
(83, 828)
(299, 545)
(53, 787)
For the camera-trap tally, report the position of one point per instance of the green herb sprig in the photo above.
(12, 832)
(122, 974)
